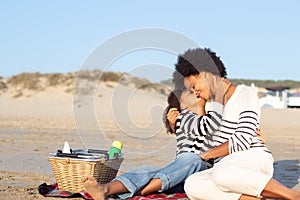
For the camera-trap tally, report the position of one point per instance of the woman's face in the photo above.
(200, 84)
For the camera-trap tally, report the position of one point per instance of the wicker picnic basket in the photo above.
(69, 171)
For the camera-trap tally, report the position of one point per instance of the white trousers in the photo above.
(244, 172)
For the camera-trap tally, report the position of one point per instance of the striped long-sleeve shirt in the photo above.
(240, 121)
(193, 132)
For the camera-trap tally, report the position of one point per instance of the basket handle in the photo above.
(97, 151)
(69, 155)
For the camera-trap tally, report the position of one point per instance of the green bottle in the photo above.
(116, 147)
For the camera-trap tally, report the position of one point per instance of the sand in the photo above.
(32, 127)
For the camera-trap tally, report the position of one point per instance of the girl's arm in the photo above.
(191, 123)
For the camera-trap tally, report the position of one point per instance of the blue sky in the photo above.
(255, 39)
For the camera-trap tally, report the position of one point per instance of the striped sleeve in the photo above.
(245, 132)
(202, 125)
(248, 113)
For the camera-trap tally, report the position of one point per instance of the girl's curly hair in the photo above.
(174, 102)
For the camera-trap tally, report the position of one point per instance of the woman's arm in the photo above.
(247, 105)
(246, 129)
(223, 149)
(219, 151)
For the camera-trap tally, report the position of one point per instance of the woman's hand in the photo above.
(260, 135)
(203, 155)
(220, 86)
(172, 117)
(201, 106)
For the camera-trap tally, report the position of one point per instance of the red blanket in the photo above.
(53, 191)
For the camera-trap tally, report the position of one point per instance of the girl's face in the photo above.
(188, 99)
(200, 84)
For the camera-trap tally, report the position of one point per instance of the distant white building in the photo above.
(294, 100)
(279, 97)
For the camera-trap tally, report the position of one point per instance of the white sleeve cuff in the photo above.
(214, 106)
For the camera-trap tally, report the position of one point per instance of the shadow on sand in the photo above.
(287, 172)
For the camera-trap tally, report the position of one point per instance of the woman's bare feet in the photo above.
(95, 189)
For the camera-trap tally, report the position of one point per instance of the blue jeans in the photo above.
(171, 175)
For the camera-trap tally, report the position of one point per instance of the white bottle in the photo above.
(66, 148)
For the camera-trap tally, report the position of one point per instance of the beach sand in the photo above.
(32, 127)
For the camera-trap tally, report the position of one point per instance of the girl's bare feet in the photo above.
(95, 189)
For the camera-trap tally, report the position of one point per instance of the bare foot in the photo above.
(95, 189)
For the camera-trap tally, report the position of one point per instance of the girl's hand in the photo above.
(172, 117)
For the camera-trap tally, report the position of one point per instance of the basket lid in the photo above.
(82, 154)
